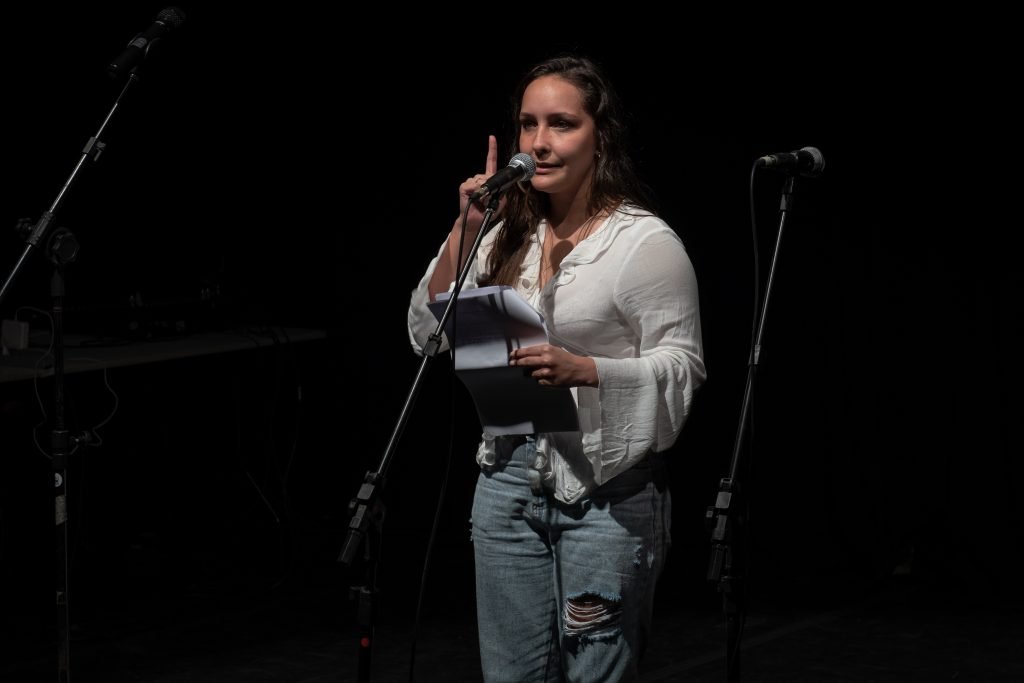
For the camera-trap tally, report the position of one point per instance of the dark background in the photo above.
(303, 165)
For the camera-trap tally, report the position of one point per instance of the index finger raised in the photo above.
(492, 156)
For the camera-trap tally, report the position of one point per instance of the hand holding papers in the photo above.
(486, 325)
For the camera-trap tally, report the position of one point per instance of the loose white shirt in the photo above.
(627, 297)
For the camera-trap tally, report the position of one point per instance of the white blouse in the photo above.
(627, 297)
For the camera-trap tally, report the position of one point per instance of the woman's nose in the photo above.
(540, 140)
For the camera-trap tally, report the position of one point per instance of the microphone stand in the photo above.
(366, 508)
(63, 248)
(724, 518)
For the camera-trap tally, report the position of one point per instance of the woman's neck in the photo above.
(568, 216)
(561, 237)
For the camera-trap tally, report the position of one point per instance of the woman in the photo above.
(571, 529)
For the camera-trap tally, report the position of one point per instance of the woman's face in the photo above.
(559, 134)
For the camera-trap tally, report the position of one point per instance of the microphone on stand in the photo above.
(520, 167)
(807, 161)
(168, 18)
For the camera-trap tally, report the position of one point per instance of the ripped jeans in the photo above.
(566, 592)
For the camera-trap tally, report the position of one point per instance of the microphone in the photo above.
(138, 48)
(520, 167)
(807, 161)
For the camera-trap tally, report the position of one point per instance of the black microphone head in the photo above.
(172, 16)
(168, 19)
(816, 160)
(526, 162)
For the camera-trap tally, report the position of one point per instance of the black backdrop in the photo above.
(304, 165)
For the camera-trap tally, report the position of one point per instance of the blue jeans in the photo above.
(565, 592)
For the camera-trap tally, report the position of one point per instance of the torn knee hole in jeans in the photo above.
(590, 613)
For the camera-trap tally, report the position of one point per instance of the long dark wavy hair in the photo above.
(614, 182)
